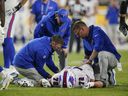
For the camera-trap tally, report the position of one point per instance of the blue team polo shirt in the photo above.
(100, 41)
(49, 27)
(112, 15)
(40, 9)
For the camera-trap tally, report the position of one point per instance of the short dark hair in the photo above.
(58, 39)
(78, 24)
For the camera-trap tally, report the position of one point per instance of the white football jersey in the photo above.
(89, 6)
(73, 76)
(71, 2)
(76, 10)
(9, 19)
(11, 4)
(83, 74)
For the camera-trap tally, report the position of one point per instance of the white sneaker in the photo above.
(6, 81)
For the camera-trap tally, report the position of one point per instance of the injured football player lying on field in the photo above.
(71, 77)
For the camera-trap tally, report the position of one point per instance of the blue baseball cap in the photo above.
(63, 14)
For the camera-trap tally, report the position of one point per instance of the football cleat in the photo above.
(6, 81)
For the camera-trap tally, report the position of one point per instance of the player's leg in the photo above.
(8, 47)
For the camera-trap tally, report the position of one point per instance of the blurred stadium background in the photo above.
(24, 24)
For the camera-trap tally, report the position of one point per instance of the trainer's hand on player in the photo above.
(86, 61)
(65, 50)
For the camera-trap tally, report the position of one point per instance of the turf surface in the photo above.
(121, 89)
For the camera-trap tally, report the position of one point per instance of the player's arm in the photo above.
(21, 4)
(2, 13)
(16, 8)
(95, 9)
(95, 84)
(123, 9)
(2, 20)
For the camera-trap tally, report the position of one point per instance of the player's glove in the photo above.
(6, 81)
(13, 10)
(45, 83)
(123, 28)
(1, 35)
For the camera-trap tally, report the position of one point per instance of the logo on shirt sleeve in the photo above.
(44, 57)
(42, 25)
(96, 35)
(63, 30)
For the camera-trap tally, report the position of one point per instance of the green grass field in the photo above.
(121, 89)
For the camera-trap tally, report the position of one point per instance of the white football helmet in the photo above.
(64, 79)
(55, 80)
(68, 79)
